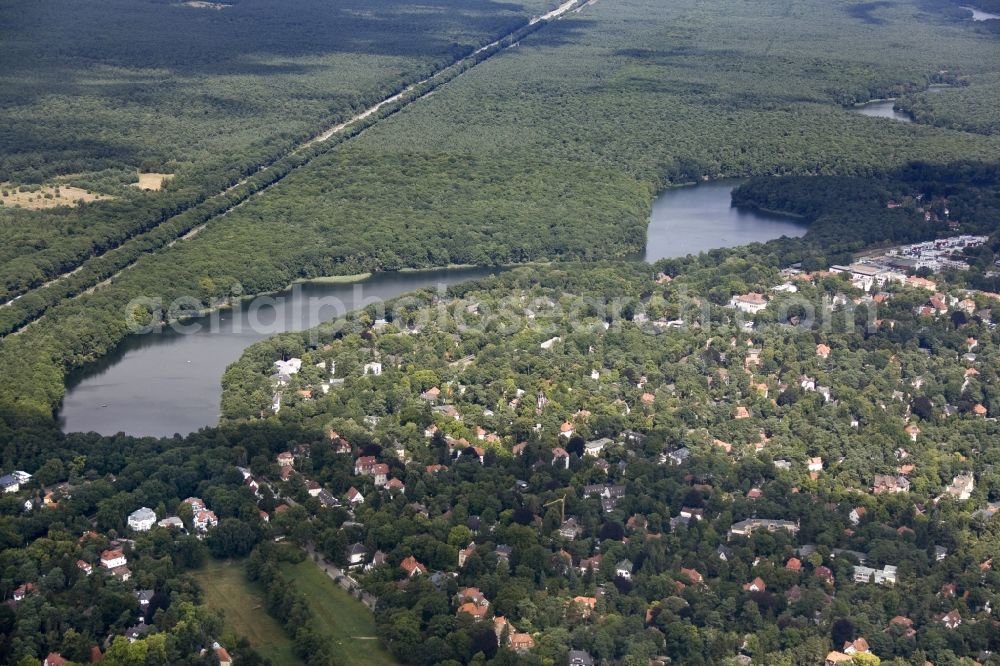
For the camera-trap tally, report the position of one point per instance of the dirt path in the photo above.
(46, 284)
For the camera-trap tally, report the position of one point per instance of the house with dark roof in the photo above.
(951, 620)
(137, 632)
(591, 563)
(9, 483)
(378, 559)
(356, 554)
(570, 529)
(887, 483)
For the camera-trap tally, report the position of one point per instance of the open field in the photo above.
(241, 602)
(47, 196)
(348, 623)
(153, 181)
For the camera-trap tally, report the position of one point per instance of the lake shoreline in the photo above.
(169, 381)
(772, 211)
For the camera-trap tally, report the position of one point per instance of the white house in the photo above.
(354, 496)
(624, 570)
(142, 519)
(289, 367)
(548, 343)
(111, 559)
(751, 303)
(356, 554)
(171, 522)
(862, 276)
(373, 368)
(595, 446)
(750, 525)
(961, 487)
(205, 519)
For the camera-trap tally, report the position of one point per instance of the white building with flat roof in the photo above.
(884, 576)
(142, 519)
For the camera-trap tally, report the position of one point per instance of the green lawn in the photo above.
(346, 620)
(242, 604)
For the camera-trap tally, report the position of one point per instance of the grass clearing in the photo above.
(336, 279)
(47, 196)
(152, 181)
(347, 622)
(242, 604)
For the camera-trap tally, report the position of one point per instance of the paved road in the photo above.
(342, 578)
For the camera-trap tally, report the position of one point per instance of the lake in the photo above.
(168, 382)
(883, 109)
(688, 220)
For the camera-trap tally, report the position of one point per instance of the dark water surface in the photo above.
(688, 220)
(883, 109)
(168, 382)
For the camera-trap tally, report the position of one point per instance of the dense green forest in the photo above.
(160, 86)
(553, 149)
(211, 96)
(657, 391)
(92, 485)
(846, 214)
(573, 443)
(969, 107)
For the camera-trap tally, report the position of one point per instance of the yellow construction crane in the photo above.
(562, 508)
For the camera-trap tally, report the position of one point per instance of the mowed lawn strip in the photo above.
(347, 622)
(242, 604)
